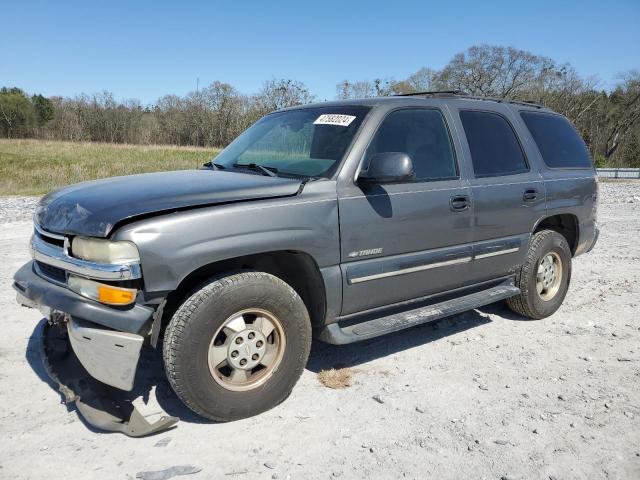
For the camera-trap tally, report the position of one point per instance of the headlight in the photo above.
(104, 251)
(101, 292)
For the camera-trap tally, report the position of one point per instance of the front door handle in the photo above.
(459, 203)
(530, 194)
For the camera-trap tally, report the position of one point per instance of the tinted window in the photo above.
(495, 150)
(558, 142)
(423, 135)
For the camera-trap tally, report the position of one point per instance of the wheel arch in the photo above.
(566, 224)
(296, 268)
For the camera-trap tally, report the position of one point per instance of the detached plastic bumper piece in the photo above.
(109, 356)
(102, 406)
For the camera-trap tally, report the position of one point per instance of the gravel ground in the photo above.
(480, 395)
(17, 209)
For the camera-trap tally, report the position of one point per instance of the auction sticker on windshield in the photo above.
(334, 119)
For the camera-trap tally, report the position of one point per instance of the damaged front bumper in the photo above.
(100, 405)
(107, 355)
(92, 359)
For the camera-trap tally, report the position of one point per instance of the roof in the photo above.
(423, 98)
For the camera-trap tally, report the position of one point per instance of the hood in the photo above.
(93, 208)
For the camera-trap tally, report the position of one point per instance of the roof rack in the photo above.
(433, 93)
(528, 103)
(462, 94)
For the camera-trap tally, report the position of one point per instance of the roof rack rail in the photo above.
(433, 93)
(528, 103)
(462, 94)
(533, 103)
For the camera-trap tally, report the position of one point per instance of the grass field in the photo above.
(34, 167)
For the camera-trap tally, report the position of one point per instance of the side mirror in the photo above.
(388, 167)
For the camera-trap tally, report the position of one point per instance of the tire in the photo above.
(196, 328)
(530, 303)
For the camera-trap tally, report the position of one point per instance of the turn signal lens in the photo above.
(115, 296)
(101, 292)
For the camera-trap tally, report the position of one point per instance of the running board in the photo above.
(337, 335)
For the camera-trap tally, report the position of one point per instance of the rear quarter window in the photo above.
(558, 141)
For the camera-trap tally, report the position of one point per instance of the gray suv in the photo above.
(348, 220)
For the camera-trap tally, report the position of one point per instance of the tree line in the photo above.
(608, 120)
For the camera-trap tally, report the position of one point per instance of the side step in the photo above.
(338, 335)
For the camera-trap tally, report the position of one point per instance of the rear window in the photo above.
(494, 147)
(559, 143)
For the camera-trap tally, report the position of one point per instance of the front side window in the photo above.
(308, 142)
(422, 134)
(494, 147)
(559, 143)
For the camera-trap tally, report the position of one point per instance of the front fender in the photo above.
(174, 245)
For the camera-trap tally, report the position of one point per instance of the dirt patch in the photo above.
(336, 377)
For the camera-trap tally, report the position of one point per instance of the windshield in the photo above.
(308, 142)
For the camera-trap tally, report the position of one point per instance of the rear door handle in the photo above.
(459, 203)
(530, 194)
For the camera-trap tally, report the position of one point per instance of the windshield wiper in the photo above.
(270, 171)
(215, 166)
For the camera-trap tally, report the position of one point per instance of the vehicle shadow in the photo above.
(325, 356)
(34, 356)
(151, 384)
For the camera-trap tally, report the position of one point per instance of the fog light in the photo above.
(101, 292)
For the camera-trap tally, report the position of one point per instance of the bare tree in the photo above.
(424, 80)
(493, 71)
(283, 93)
(625, 111)
(379, 87)
(357, 89)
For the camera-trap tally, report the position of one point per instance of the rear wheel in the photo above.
(544, 278)
(237, 346)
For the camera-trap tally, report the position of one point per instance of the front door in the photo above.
(406, 240)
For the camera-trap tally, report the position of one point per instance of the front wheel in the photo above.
(544, 278)
(237, 346)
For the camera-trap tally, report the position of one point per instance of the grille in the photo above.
(53, 241)
(53, 273)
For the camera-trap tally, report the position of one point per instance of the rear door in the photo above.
(406, 240)
(508, 194)
(570, 179)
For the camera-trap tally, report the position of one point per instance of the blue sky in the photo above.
(145, 49)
